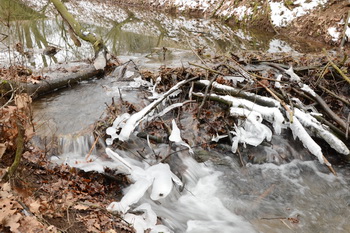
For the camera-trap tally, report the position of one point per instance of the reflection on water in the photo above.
(126, 33)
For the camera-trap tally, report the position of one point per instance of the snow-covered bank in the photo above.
(321, 19)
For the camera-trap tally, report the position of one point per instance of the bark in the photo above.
(19, 150)
(49, 85)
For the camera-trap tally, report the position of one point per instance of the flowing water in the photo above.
(300, 196)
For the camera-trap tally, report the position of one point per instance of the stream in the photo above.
(300, 196)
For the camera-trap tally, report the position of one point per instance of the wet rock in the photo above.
(126, 72)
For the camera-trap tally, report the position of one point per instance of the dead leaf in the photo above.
(8, 214)
(30, 224)
(3, 172)
(22, 100)
(6, 187)
(13, 222)
(52, 228)
(34, 207)
(111, 231)
(34, 81)
(80, 207)
(2, 149)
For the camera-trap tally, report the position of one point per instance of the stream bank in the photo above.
(323, 20)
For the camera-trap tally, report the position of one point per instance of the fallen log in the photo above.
(49, 85)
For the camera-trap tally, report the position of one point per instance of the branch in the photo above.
(337, 68)
(92, 38)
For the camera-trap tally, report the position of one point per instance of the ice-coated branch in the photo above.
(271, 114)
(224, 89)
(136, 118)
(308, 121)
(299, 132)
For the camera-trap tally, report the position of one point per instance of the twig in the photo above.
(247, 75)
(347, 127)
(279, 100)
(282, 220)
(324, 70)
(206, 68)
(269, 79)
(337, 68)
(25, 208)
(92, 148)
(330, 125)
(329, 166)
(346, 23)
(205, 95)
(217, 8)
(335, 95)
(329, 111)
(189, 44)
(240, 157)
(11, 98)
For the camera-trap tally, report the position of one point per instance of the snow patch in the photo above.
(242, 12)
(281, 16)
(334, 33)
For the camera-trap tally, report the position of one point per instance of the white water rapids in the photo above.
(229, 198)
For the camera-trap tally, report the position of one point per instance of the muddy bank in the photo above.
(323, 20)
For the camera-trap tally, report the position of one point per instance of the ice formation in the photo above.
(308, 121)
(300, 132)
(176, 137)
(293, 76)
(271, 114)
(251, 131)
(159, 176)
(133, 121)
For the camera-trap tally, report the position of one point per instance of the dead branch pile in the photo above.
(242, 101)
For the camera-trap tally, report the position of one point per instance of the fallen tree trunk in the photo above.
(48, 85)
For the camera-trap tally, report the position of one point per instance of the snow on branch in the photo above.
(220, 88)
(308, 121)
(271, 114)
(136, 118)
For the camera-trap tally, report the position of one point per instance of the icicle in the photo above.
(218, 137)
(175, 136)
